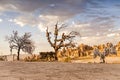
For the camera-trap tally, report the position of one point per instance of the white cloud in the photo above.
(47, 21)
(19, 22)
(41, 26)
(113, 35)
(11, 20)
(8, 7)
(1, 20)
(41, 22)
(81, 25)
(84, 38)
(12, 6)
(98, 34)
(25, 20)
(1, 8)
(49, 17)
(98, 40)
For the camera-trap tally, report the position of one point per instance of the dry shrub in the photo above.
(65, 59)
(32, 58)
(68, 59)
(1, 59)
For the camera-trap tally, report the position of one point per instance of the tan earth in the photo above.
(58, 71)
(111, 60)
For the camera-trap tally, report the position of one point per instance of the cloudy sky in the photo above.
(98, 21)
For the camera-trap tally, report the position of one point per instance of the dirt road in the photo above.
(58, 71)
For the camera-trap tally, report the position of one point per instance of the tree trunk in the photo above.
(18, 56)
(56, 58)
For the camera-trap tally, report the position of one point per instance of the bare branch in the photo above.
(62, 26)
(65, 40)
(48, 37)
(21, 42)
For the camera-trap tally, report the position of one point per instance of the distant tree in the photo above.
(19, 43)
(56, 42)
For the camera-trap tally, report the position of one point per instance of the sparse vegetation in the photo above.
(67, 59)
(1, 59)
(32, 58)
(63, 46)
(65, 40)
(47, 56)
(19, 43)
(69, 54)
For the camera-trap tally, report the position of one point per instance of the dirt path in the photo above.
(58, 71)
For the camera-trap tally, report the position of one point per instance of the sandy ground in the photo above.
(97, 60)
(58, 71)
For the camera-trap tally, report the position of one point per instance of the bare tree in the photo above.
(56, 42)
(19, 43)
